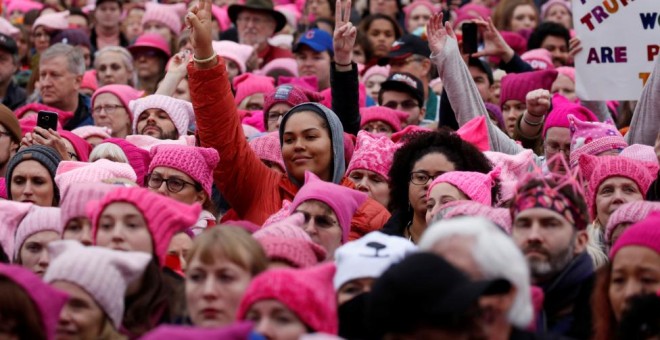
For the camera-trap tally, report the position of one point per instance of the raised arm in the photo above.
(176, 71)
(343, 71)
(240, 175)
(646, 118)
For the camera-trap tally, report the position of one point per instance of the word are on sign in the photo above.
(607, 55)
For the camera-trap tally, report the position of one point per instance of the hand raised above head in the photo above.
(345, 33)
(437, 33)
(198, 20)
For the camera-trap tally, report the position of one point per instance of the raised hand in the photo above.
(198, 20)
(437, 33)
(48, 137)
(538, 102)
(494, 44)
(177, 64)
(345, 33)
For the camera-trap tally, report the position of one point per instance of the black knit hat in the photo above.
(45, 155)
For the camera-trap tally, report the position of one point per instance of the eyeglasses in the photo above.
(173, 184)
(555, 148)
(323, 222)
(243, 20)
(406, 61)
(408, 104)
(421, 177)
(109, 109)
(275, 116)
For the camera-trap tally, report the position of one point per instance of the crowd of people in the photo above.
(319, 169)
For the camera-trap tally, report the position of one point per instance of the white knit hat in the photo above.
(38, 219)
(179, 110)
(103, 273)
(369, 256)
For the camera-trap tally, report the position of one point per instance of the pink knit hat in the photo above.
(631, 212)
(393, 118)
(3, 188)
(309, 83)
(221, 16)
(103, 273)
(539, 59)
(38, 219)
(196, 162)
(164, 216)
(76, 197)
(376, 70)
(561, 108)
(343, 201)
(23, 6)
(124, 93)
(72, 172)
(286, 241)
(550, 3)
(52, 21)
(163, 14)
(233, 51)
(289, 65)
(288, 94)
(89, 80)
(11, 215)
(640, 152)
(644, 233)
(267, 148)
(179, 110)
(138, 158)
(7, 28)
(500, 216)
(597, 169)
(82, 148)
(475, 185)
(374, 153)
(48, 300)
(62, 116)
(476, 10)
(593, 138)
(567, 71)
(475, 132)
(424, 3)
(248, 84)
(307, 292)
(516, 86)
(151, 41)
(512, 167)
(408, 131)
(145, 142)
(235, 331)
(88, 131)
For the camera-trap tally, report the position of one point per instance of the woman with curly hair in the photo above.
(423, 157)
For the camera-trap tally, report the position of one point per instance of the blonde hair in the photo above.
(231, 243)
(108, 151)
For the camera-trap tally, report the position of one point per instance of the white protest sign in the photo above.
(620, 39)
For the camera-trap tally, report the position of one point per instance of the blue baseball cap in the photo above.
(316, 39)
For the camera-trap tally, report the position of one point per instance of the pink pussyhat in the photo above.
(500, 216)
(82, 148)
(196, 162)
(47, 300)
(76, 197)
(475, 132)
(540, 59)
(289, 65)
(38, 219)
(52, 21)
(7, 28)
(281, 214)
(376, 70)
(23, 6)
(235, 331)
(561, 108)
(546, 7)
(89, 131)
(631, 212)
(644, 233)
(391, 117)
(373, 153)
(593, 138)
(307, 292)
(567, 71)
(163, 14)
(287, 242)
(151, 41)
(309, 83)
(3, 188)
(89, 81)
(597, 169)
(221, 16)
(233, 51)
(343, 201)
(516, 86)
(11, 215)
(71, 172)
(138, 158)
(62, 116)
(512, 167)
(164, 216)
(248, 84)
(288, 94)
(124, 93)
(102, 273)
(267, 148)
(408, 132)
(178, 110)
(642, 153)
(475, 185)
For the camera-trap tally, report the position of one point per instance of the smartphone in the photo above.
(469, 37)
(47, 120)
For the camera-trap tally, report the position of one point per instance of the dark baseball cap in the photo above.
(406, 83)
(406, 46)
(8, 44)
(316, 39)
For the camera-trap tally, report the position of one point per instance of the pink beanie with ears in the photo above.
(423, 3)
(515, 86)
(343, 201)
(82, 148)
(178, 110)
(196, 162)
(138, 158)
(124, 93)
(376, 70)
(500, 216)
(37, 219)
(374, 153)
(593, 138)
(307, 292)
(475, 185)
(76, 197)
(72, 172)
(267, 148)
(238, 53)
(248, 84)
(62, 116)
(289, 65)
(561, 108)
(630, 212)
(289, 94)
(539, 59)
(391, 117)
(309, 83)
(23, 6)
(567, 71)
(287, 241)
(47, 300)
(512, 167)
(164, 216)
(644, 233)
(163, 14)
(88, 131)
(11, 215)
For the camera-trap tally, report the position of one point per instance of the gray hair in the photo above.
(126, 58)
(496, 255)
(74, 57)
(108, 151)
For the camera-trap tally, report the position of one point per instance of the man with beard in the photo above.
(10, 138)
(161, 117)
(549, 226)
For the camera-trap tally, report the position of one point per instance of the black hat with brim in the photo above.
(403, 82)
(265, 6)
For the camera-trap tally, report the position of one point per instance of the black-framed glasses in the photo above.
(421, 177)
(555, 148)
(173, 184)
(324, 222)
(109, 109)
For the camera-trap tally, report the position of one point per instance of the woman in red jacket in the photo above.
(311, 134)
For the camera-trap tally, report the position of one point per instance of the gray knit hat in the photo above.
(45, 155)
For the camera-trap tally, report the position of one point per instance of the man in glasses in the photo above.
(404, 92)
